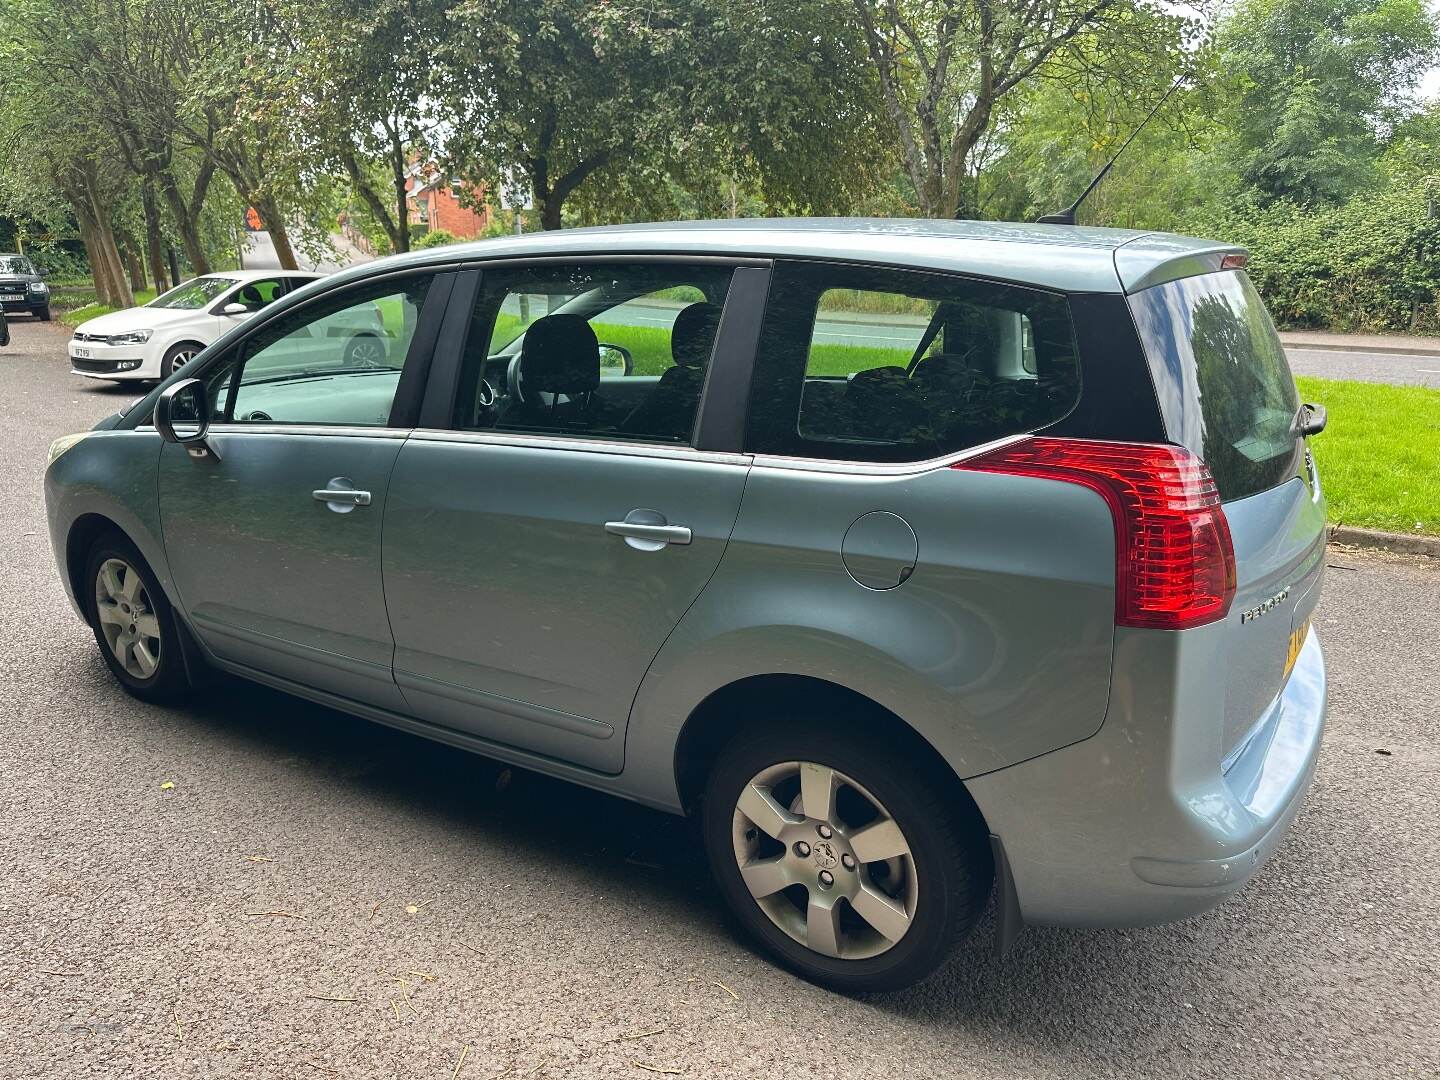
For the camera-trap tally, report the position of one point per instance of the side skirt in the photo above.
(460, 740)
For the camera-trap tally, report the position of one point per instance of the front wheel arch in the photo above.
(175, 347)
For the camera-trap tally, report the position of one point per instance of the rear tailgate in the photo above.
(1227, 394)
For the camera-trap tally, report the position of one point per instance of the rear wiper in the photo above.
(1309, 420)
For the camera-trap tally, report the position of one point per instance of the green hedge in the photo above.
(1371, 264)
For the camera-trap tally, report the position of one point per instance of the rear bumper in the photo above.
(1144, 823)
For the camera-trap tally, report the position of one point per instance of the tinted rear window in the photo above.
(1221, 376)
(869, 364)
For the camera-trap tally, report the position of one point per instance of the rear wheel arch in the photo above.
(747, 703)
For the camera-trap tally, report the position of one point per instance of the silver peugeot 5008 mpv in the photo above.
(918, 560)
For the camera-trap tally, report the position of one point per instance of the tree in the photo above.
(945, 68)
(1055, 133)
(1318, 84)
(355, 80)
(51, 142)
(558, 95)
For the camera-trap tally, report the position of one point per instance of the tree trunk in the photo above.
(185, 222)
(133, 265)
(93, 257)
(153, 255)
(400, 237)
(360, 186)
(120, 286)
(275, 225)
(110, 283)
(550, 211)
(174, 265)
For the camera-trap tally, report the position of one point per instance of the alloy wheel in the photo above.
(127, 618)
(366, 350)
(182, 357)
(824, 860)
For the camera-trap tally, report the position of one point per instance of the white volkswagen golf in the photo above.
(151, 341)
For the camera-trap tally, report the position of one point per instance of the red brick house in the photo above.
(435, 204)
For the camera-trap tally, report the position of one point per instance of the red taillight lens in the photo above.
(1175, 563)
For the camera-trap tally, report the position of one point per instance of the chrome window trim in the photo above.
(347, 430)
(618, 447)
(886, 468)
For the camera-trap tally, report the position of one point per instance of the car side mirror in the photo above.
(182, 416)
(616, 360)
(234, 308)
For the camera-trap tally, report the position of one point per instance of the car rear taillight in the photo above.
(1175, 563)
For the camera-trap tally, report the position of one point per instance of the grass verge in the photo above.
(1379, 456)
(75, 316)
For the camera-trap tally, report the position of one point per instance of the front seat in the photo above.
(251, 298)
(668, 411)
(559, 358)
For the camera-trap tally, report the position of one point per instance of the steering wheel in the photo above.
(512, 381)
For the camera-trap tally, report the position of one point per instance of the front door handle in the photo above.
(341, 495)
(647, 530)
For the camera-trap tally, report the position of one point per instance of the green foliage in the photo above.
(1316, 82)
(436, 238)
(1379, 457)
(618, 109)
(1371, 264)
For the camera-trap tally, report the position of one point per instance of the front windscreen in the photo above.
(193, 294)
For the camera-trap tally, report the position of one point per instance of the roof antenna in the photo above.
(1067, 216)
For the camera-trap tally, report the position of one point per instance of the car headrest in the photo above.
(693, 335)
(560, 355)
(251, 295)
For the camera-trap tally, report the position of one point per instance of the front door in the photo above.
(538, 555)
(275, 546)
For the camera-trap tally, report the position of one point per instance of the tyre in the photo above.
(844, 857)
(177, 356)
(365, 350)
(133, 622)
(43, 314)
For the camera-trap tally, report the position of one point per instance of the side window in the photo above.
(337, 361)
(596, 351)
(258, 294)
(881, 365)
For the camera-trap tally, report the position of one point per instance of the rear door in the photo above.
(545, 537)
(1228, 396)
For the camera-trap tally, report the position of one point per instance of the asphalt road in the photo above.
(1400, 368)
(318, 897)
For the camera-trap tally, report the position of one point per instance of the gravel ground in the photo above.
(315, 896)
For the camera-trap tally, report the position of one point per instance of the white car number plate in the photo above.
(84, 354)
(13, 296)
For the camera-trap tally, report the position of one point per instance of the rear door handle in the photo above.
(341, 495)
(647, 530)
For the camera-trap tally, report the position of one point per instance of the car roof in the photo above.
(252, 275)
(1063, 257)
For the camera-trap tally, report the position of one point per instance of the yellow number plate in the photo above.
(1297, 642)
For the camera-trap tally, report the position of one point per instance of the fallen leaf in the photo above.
(168, 785)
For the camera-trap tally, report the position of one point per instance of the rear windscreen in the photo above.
(1221, 376)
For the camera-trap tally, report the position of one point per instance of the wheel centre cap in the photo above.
(824, 855)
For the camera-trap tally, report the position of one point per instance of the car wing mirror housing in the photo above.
(182, 416)
(234, 308)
